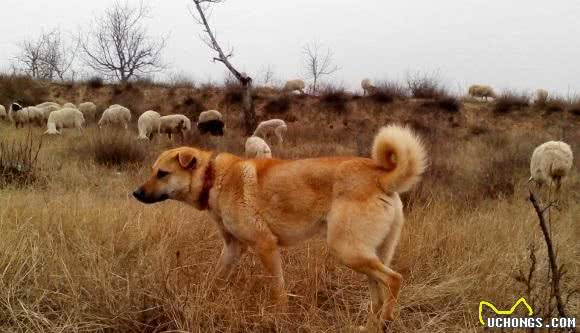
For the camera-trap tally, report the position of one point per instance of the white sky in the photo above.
(521, 44)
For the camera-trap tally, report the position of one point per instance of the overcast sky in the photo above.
(521, 44)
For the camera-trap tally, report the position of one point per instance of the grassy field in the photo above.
(78, 253)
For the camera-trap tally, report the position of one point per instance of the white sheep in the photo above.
(541, 96)
(174, 124)
(256, 147)
(482, 91)
(294, 85)
(116, 115)
(551, 161)
(367, 86)
(148, 124)
(64, 118)
(30, 114)
(211, 121)
(3, 114)
(69, 105)
(47, 108)
(273, 126)
(89, 110)
(14, 107)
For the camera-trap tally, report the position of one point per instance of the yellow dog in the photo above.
(268, 203)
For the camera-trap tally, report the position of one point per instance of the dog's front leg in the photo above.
(231, 253)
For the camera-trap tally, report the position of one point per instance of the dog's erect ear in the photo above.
(186, 159)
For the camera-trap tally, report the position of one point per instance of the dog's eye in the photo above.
(161, 174)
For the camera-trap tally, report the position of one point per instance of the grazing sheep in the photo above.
(276, 126)
(14, 107)
(47, 108)
(551, 161)
(30, 114)
(541, 96)
(64, 118)
(148, 125)
(89, 110)
(69, 105)
(211, 121)
(115, 115)
(3, 114)
(256, 147)
(478, 90)
(294, 85)
(367, 87)
(174, 124)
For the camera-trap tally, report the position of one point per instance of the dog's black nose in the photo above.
(138, 194)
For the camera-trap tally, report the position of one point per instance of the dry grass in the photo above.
(79, 254)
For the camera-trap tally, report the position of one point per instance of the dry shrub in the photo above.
(22, 88)
(510, 100)
(129, 96)
(555, 104)
(191, 107)
(507, 160)
(112, 147)
(18, 161)
(144, 82)
(334, 98)
(278, 105)
(387, 92)
(443, 102)
(574, 107)
(180, 80)
(233, 93)
(95, 82)
(427, 86)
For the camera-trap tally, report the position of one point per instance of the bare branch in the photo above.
(556, 272)
(209, 38)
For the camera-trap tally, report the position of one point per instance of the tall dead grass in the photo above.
(79, 254)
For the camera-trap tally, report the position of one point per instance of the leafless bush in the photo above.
(21, 88)
(18, 161)
(335, 98)
(510, 100)
(422, 85)
(277, 105)
(555, 104)
(95, 82)
(574, 107)
(388, 91)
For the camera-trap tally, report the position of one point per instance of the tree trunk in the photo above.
(250, 120)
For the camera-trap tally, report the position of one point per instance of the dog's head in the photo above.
(184, 174)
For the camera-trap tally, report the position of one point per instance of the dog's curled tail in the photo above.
(401, 154)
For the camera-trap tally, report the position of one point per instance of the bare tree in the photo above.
(29, 59)
(318, 62)
(48, 57)
(202, 6)
(119, 47)
(268, 75)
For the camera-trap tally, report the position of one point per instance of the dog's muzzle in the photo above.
(140, 195)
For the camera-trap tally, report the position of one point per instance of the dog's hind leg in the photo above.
(269, 253)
